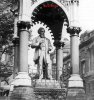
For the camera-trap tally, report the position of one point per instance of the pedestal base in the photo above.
(21, 88)
(75, 81)
(76, 94)
(75, 88)
(44, 83)
(22, 93)
(49, 90)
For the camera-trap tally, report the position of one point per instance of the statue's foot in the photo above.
(41, 77)
(46, 78)
(50, 77)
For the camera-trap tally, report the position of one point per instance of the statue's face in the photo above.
(42, 33)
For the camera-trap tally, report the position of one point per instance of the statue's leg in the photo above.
(50, 69)
(41, 66)
(45, 70)
(38, 68)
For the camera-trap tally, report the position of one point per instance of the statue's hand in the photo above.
(38, 43)
(49, 51)
(42, 41)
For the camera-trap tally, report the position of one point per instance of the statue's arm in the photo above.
(49, 46)
(35, 43)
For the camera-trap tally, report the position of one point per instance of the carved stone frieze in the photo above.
(65, 3)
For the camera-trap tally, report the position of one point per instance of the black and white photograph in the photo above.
(46, 50)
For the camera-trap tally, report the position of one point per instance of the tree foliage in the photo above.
(6, 21)
(6, 29)
(6, 32)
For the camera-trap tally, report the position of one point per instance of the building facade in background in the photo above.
(87, 62)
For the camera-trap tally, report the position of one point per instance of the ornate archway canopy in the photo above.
(52, 15)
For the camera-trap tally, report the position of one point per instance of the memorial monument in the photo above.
(53, 13)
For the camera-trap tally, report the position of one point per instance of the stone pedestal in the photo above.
(50, 84)
(75, 88)
(22, 93)
(49, 90)
(21, 88)
(50, 94)
(76, 94)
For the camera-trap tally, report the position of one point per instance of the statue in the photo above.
(42, 47)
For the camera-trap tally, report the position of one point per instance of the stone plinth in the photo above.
(50, 94)
(52, 84)
(75, 81)
(22, 93)
(49, 90)
(75, 88)
(76, 94)
(21, 88)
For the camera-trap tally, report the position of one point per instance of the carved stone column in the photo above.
(21, 87)
(23, 34)
(59, 58)
(22, 83)
(74, 37)
(75, 85)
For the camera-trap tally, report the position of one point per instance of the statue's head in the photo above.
(41, 32)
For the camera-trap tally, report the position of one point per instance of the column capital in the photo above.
(75, 1)
(73, 30)
(16, 41)
(23, 25)
(59, 44)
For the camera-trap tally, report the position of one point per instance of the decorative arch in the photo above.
(55, 1)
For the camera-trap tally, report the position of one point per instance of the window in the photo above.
(91, 58)
(83, 67)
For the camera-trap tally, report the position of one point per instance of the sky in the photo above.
(86, 14)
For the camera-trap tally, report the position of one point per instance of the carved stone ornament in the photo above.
(59, 44)
(23, 25)
(75, 1)
(74, 30)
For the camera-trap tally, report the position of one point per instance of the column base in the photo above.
(75, 88)
(76, 94)
(21, 88)
(75, 81)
